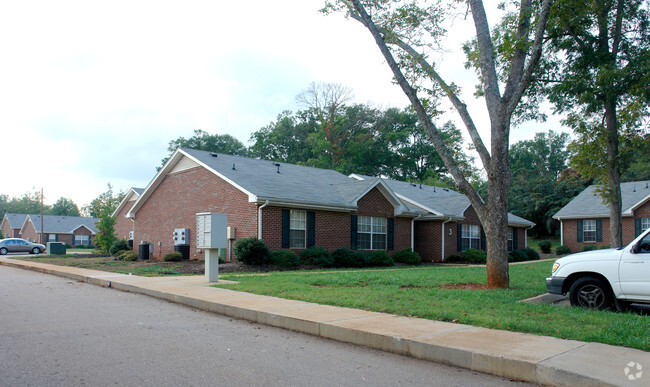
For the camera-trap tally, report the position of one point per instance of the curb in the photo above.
(518, 356)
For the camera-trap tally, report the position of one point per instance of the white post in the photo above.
(212, 265)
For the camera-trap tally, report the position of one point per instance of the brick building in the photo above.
(296, 207)
(11, 225)
(73, 230)
(124, 229)
(585, 219)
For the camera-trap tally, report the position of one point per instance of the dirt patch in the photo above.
(465, 286)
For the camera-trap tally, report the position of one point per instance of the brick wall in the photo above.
(6, 229)
(124, 225)
(29, 232)
(177, 200)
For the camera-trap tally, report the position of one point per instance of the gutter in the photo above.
(442, 253)
(413, 232)
(259, 220)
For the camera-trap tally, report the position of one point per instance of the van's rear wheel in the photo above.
(592, 293)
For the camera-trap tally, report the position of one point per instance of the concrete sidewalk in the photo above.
(537, 359)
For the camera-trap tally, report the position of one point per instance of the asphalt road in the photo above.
(58, 332)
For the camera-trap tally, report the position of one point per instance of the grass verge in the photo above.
(437, 293)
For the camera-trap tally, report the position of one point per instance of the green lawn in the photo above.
(422, 292)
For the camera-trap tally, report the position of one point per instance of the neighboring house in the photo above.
(124, 226)
(11, 225)
(296, 207)
(585, 219)
(73, 230)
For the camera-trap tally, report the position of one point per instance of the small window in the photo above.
(51, 237)
(297, 229)
(82, 239)
(645, 224)
(371, 233)
(589, 231)
(510, 239)
(470, 237)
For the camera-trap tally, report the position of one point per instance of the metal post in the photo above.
(40, 238)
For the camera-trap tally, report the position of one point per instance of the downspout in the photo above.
(442, 253)
(413, 232)
(259, 220)
(561, 232)
(526, 236)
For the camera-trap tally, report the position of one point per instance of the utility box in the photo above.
(182, 237)
(230, 233)
(211, 230)
(55, 248)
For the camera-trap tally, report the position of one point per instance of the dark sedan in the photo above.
(17, 245)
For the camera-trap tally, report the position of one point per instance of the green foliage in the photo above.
(127, 255)
(531, 254)
(317, 256)
(174, 256)
(455, 258)
(105, 203)
(220, 143)
(64, 207)
(545, 246)
(589, 248)
(379, 258)
(102, 207)
(475, 256)
(348, 258)
(285, 258)
(563, 250)
(408, 257)
(252, 251)
(517, 256)
(119, 245)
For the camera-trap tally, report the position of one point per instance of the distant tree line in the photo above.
(30, 203)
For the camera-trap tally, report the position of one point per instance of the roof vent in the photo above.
(434, 189)
(214, 154)
(646, 185)
(445, 189)
(277, 165)
(634, 190)
(233, 167)
(420, 185)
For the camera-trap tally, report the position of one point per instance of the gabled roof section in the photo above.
(15, 220)
(132, 195)
(54, 224)
(589, 204)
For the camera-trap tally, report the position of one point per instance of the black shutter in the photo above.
(286, 241)
(459, 238)
(311, 229)
(482, 247)
(599, 230)
(580, 231)
(637, 227)
(514, 239)
(353, 231)
(391, 233)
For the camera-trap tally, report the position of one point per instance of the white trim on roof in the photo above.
(637, 205)
(125, 200)
(422, 206)
(399, 207)
(77, 228)
(305, 205)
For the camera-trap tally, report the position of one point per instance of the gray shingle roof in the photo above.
(590, 204)
(16, 220)
(62, 224)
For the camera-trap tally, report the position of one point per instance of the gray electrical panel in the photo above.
(211, 230)
(181, 236)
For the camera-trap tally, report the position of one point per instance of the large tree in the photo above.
(599, 75)
(202, 140)
(405, 33)
(64, 207)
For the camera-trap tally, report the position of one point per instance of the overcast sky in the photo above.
(92, 92)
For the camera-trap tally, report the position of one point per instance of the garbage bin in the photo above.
(56, 248)
(143, 251)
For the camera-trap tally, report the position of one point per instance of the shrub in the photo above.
(285, 258)
(67, 246)
(545, 246)
(129, 255)
(348, 258)
(455, 258)
(531, 253)
(407, 256)
(174, 256)
(517, 256)
(252, 251)
(379, 258)
(589, 248)
(475, 256)
(317, 256)
(604, 247)
(563, 250)
(119, 245)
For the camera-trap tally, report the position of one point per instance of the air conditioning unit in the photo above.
(181, 236)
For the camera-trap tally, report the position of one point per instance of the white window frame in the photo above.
(297, 229)
(51, 237)
(84, 239)
(470, 236)
(511, 241)
(645, 224)
(372, 232)
(589, 228)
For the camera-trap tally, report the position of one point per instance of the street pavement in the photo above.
(517, 356)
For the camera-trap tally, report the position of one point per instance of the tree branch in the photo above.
(519, 58)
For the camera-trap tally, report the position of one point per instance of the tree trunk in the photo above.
(614, 178)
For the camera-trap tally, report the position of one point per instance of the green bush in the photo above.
(119, 245)
(379, 258)
(252, 251)
(455, 258)
(129, 255)
(545, 246)
(67, 246)
(605, 247)
(174, 256)
(517, 256)
(589, 248)
(348, 258)
(532, 254)
(407, 256)
(317, 256)
(285, 258)
(563, 250)
(475, 256)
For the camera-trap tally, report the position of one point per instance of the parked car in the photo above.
(17, 245)
(600, 279)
